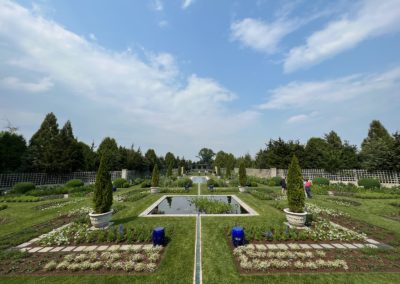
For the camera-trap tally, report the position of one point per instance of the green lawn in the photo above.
(217, 260)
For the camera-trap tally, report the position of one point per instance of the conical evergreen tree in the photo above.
(103, 195)
(72, 156)
(155, 178)
(45, 151)
(295, 190)
(169, 170)
(242, 175)
(376, 149)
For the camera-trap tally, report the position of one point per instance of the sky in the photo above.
(181, 75)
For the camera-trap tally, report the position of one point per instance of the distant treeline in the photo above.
(54, 150)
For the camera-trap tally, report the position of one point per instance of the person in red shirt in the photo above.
(307, 186)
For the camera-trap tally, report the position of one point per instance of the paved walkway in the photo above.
(48, 249)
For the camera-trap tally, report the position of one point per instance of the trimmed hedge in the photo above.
(369, 183)
(320, 181)
(22, 187)
(182, 182)
(275, 181)
(74, 183)
(120, 182)
(19, 199)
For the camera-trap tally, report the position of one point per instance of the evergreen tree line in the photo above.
(379, 151)
(54, 150)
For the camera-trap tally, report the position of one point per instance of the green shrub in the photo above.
(22, 187)
(275, 181)
(369, 183)
(234, 182)
(126, 184)
(146, 183)
(210, 206)
(155, 177)
(74, 183)
(295, 191)
(182, 182)
(119, 182)
(253, 184)
(242, 175)
(103, 194)
(3, 206)
(137, 181)
(210, 182)
(320, 181)
(24, 198)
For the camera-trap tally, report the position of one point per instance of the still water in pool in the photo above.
(183, 205)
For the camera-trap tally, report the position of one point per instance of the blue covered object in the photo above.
(158, 236)
(237, 236)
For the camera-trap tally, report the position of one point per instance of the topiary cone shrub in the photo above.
(155, 178)
(242, 175)
(103, 194)
(295, 190)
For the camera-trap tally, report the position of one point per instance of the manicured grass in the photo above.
(217, 260)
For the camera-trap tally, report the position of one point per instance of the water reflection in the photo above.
(183, 205)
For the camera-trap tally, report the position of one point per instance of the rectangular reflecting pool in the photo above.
(191, 205)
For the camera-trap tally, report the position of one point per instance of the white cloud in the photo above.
(157, 5)
(187, 3)
(260, 35)
(17, 84)
(297, 118)
(373, 19)
(330, 92)
(147, 93)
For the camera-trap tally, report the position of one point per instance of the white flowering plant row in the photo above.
(134, 260)
(318, 211)
(263, 260)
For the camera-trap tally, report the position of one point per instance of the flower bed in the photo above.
(253, 260)
(250, 259)
(135, 260)
(78, 233)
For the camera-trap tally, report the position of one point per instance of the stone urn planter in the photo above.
(242, 188)
(102, 220)
(154, 189)
(295, 219)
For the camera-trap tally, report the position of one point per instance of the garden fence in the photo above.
(346, 176)
(8, 180)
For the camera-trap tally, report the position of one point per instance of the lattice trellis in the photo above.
(8, 180)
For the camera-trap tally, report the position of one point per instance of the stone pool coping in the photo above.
(146, 212)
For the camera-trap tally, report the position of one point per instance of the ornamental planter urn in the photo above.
(154, 189)
(243, 188)
(101, 220)
(297, 220)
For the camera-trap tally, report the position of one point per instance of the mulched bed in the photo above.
(380, 234)
(34, 231)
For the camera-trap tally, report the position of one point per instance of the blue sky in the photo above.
(185, 74)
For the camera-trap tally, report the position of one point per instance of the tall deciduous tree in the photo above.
(12, 149)
(108, 147)
(206, 156)
(89, 156)
(151, 158)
